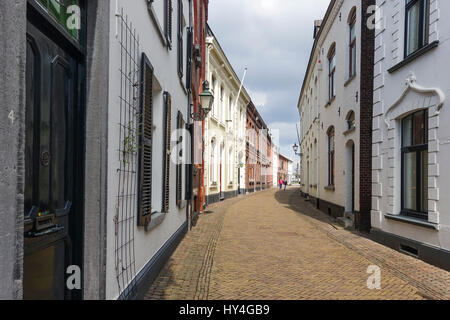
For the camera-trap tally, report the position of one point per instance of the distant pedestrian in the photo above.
(280, 182)
(285, 184)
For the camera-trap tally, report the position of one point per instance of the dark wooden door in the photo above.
(51, 152)
(239, 180)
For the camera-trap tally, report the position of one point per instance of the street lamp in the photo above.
(206, 101)
(295, 147)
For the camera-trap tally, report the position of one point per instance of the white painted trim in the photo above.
(411, 84)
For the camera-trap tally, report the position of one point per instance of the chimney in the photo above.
(317, 24)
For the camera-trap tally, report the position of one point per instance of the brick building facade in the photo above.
(198, 53)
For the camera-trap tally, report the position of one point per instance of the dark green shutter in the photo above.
(180, 38)
(168, 22)
(166, 151)
(180, 150)
(145, 144)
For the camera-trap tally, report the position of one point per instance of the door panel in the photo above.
(50, 142)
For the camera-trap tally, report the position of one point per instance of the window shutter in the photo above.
(190, 43)
(181, 142)
(166, 151)
(190, 167)
(180, 38)
(145, 144)
(168, 22)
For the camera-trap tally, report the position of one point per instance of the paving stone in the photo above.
(274, 245)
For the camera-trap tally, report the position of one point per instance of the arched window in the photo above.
(214, 89)
(350, 120)
(332, 72)
(222, 104)
(212, 166)
(352, 43)
(230, 165)
(331, 151)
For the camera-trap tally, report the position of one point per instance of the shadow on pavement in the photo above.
(292, 199)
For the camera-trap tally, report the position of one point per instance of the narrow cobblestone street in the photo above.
(275, 245)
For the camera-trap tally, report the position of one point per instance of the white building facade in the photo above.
(225, 127)
(147, 46)
(275, 163)
(410, 129)
(335, 113)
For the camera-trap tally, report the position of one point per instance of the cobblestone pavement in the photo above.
(274, 245)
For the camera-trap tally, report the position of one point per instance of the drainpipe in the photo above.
(190, 174)
(318, 137)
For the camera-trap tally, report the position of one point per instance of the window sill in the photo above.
(157, 219)
(414, 56)
(349, 80)
(330, 188)
(413, 221)
(182, 84)
(349, 131)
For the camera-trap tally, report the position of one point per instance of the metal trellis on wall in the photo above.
(126, 209)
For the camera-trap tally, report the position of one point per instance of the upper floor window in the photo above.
(332, 72)
(352, 43)
(331, 149)
(214, 88)
(417, 20)
(415, 165)
(180, 38)
(351, 120)
(168, 9)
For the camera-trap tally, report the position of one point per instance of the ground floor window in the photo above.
(415, 165)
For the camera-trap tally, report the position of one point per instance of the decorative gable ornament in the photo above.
(412, 86)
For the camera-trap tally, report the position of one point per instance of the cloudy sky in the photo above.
(273, 38)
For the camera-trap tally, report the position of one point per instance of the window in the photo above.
(416, 26)
(168, 21)
(351, 120)
(331, 151)
(166, 152)
(190, 43)
(352, 43)
(222, 105)
(181, 124)
(145, 143)
(332, 72)
(415, 165)
(214, 88)
(212, 165)
(230, 165)
(230, 110)
(61, 10)
(180, 38)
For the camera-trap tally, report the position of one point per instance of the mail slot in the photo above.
(45, 222)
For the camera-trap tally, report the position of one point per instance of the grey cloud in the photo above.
(273, 39)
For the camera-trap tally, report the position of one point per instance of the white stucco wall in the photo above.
(430, 71)
(275, 161)
(164, 61)
(317, 116)
(225, 124)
